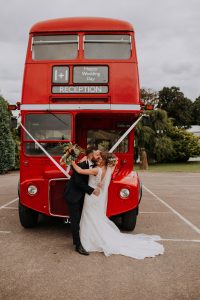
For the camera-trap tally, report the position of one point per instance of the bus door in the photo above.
(103, 131)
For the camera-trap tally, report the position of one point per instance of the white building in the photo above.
(195, 129)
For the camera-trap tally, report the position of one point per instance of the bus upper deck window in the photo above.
(107, 46)
(55, 47)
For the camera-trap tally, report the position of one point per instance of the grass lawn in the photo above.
(190, 166)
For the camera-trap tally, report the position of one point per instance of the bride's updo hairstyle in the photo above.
(109, 159)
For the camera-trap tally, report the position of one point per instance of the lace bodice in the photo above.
(95, 180)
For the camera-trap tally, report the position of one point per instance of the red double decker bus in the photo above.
(81, 85)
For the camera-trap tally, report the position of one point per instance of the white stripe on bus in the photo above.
(125, 107)
(80, 106)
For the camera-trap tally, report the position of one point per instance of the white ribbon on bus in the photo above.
(45, 152)
(110, 151)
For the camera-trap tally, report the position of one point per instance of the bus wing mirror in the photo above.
(149, 107)
(14, 106)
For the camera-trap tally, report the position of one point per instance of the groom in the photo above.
(74, 194)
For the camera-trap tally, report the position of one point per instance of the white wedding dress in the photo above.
(98, 233)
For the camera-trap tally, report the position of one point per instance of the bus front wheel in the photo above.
(28, 217)
(129, 219)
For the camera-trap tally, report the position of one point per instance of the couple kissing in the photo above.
(78, 186)
(86, 194)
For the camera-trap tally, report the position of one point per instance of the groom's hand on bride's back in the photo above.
(96, 191)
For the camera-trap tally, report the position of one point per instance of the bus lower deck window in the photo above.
(107, 46)
(49, 126)
(54, 149)
(55, 47)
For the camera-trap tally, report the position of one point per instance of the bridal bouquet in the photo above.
(112, 160)
(71, 153)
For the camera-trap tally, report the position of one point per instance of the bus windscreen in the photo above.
(49, 126)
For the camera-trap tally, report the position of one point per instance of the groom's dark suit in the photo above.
(74, 193)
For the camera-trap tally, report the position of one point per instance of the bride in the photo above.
(97, 232)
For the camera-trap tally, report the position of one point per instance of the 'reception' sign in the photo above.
(80, 89)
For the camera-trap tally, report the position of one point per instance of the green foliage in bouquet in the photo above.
(71, 153)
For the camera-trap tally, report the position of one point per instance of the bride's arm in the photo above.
(112, 169)
(79, 170)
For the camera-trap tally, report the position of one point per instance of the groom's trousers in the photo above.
(75, 211)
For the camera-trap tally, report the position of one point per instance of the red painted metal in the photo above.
(81, 24)
(123, 89)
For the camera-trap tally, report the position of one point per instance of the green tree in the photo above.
(153, 138)
(163, 148)
(159, 121)
(16, 137)
(7, 145)
(178, 107)
(185, 145)
(196, 111)
(164, 142)
(143, 137)
(161, 145)
(149, 96)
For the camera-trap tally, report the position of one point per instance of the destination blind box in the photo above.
(89, 75)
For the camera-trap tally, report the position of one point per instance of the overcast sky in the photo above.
(167, 38)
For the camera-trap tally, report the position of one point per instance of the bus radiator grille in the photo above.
(57, 203)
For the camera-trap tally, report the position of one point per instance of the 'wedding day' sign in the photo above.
(90, 74)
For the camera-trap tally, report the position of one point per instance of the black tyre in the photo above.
(28, 217)
(140, 196)
(129, 219)
(117, 220)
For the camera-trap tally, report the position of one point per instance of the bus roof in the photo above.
(81, 24)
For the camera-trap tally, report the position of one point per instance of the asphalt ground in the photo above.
(41, 263)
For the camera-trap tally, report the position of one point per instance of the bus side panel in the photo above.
(38, 202)
(32, 173)
(116, 205)
(36, 88)
(124, 83)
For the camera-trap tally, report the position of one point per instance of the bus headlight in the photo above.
(124, 193)
(32, 190)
